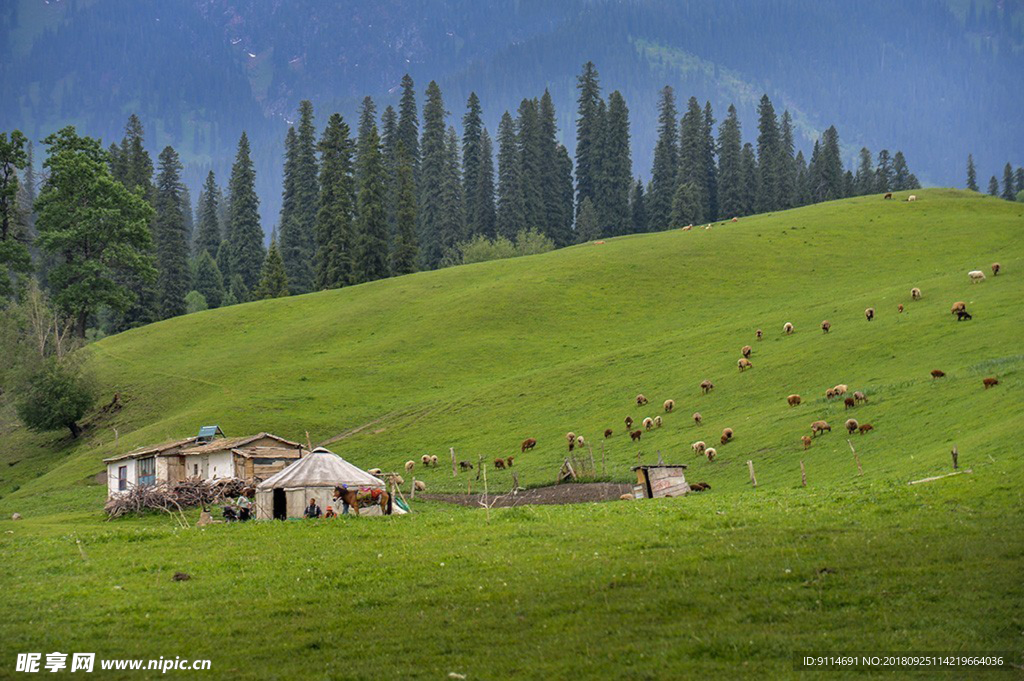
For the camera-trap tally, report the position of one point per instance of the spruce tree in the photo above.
(484, 199)
(691, 153)
(768, 152)
(830, 169)
(588, 133)
(297, 242)
(335, 228)
(244, 232)
(785, 164)
(566, 193)
(972, 175)
(616, 177)
(587, 226)
(687, 206)
(187, 215)
(666, 161)
(510, 214)
(431, 178)
(750, 179)
(15, 260)
(207, 279)
(555, 224)
(173, 277)
(1018, 179)
(731, 190)
(452, 227)
(409, 123)
(389, 154)
(273, 278)
(238, 292)
(405, 254)
(864, 180)
(803, 188)
(472, 164)
(1009, 193)
(993, 186)
(367, 120)
(223, 260)
(372, 223)
(884, 176)
(208, 235)
(710, 169)
(528, 126)
(638, 208)
(900, 172)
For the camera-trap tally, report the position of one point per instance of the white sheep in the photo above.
(409, 465)
(374, 471)
(580, 441)
(915, 293)
(787, 328)
(425, 459)
(669, 405)
(710, 453)
(420, 485)
(433, 459)
(699, 446)
(648, 423)
(912, 197)
(657, 422)
(976, 276)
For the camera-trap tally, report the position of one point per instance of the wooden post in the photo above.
(412, 492)
(660, 460)
(803, 474)
(860, 470)
(593, 468)
(955, 454)
(604, 468)
(515, 481)
(638, 458)
(486, 506)
(455, 471)
(750, 466)
(309, 444)
(479, 465)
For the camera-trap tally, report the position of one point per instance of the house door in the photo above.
(206, 467)
(280, 504)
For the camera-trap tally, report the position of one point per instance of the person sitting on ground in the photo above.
(330, 513)
(312, 511)
(244, 507)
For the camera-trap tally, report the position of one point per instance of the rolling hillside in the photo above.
(480, 357)
(729, 583)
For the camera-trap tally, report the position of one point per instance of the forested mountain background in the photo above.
(936, 79)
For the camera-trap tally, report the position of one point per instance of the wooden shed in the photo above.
(660, 480)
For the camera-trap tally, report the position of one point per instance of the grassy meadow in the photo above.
(731, 582)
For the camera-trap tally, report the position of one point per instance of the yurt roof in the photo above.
(321, 468)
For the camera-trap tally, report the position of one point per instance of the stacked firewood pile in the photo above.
(174, 498)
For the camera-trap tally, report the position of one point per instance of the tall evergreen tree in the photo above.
(389, 154)
(431, 177)
(208, 234)
(993, 186)
(687, 207)
(245, 235)
(409, 123)
(406, 251)
(638, 208)
(372, 225)
(768, 153)
(829, 168)
(710, 169)
(207, 279)
(472, 164)
(567, 194)
(484, 193)
(803, 181)
(587, 226)
(173, 276)
(864, 180)
(528, 125)
(616, 178)
(187, 214)
(297, 243)
(731, 181)
(900, 172)
(1018, 178)
(335, 229)
(785, 164)
(751, 178)
(511, 218)
(691, 153)
(666, 161)
(884, 175)
(557, 224)
(1009, 193)
(15, 260)
(588, 133)
(972, 174)
(273, 278)
(452, 226)
(367, 120)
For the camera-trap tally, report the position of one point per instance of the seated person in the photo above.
(312, 511)
(330, 513)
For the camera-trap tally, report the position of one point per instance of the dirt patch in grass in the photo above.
(574, 493)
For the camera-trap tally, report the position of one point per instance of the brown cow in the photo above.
(867, 427)
(499, 463)
(850, 402)
(793, 400)
(937, 373)
(528, 443)
(806, 440)
(989, 382)
(607, 432)
(509, 460)
(635, 435)
(888, 196)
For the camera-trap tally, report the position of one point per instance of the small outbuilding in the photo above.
(660, 480)
(314, 476)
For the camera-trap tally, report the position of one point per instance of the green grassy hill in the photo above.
(480, 357)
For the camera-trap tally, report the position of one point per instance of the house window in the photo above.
(195, 470)
(122, 478)
(147, 471)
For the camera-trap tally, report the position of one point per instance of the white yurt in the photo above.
(314, 476)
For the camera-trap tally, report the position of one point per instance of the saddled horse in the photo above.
(356, 498)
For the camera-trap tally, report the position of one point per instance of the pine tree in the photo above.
(273, 278)
(372, 224)
(555, 224)
(389, 154)
(785, 165)
(731, 190)
(472, 164)
(15, 232)
(588, 133)
(687, 207)
(528, 125)
(993, 186)
(864, 181)
(803, 180)
(187, 215)
(452, 226)
(691, 154)
(1008, 183)
(431, 178)
(1018, 179)
(409, 124)
(297, 243)
(405, 252)
(830, 168)
(616, 177)
(169, 235)
(666, 161)
(884, 176)
(335, 228)
(638, 208)
(238, 292)
(768, 145)
(207, 279)
(900, 173)
(566, 193)
(587, 226)
(367, 120)
(223, 260)
(750, 179)
(972, 175)
(710, 169)
(484, 198)
(244, 232)
(208, 235)
(510, 213)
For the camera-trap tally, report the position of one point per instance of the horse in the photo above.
(350, 497)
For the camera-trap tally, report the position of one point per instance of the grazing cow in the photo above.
(409, 465)
(746, 351)
(648, 423)
(787, 328)
(869, 313)
(499, 463)
(699, 447)
(710, 453)
(706, 386)
(635, 435)
(793, 400)
(888, 195)
(629, 422)
(806, 440)
(915, 293)
(937, 373)
(607, 432)
(962, 315)
(509, 460)
(726, 435)
(867, 427)
(989, 382)
(825, 326)
(899, 308)
(849, 402)
(528, 443)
